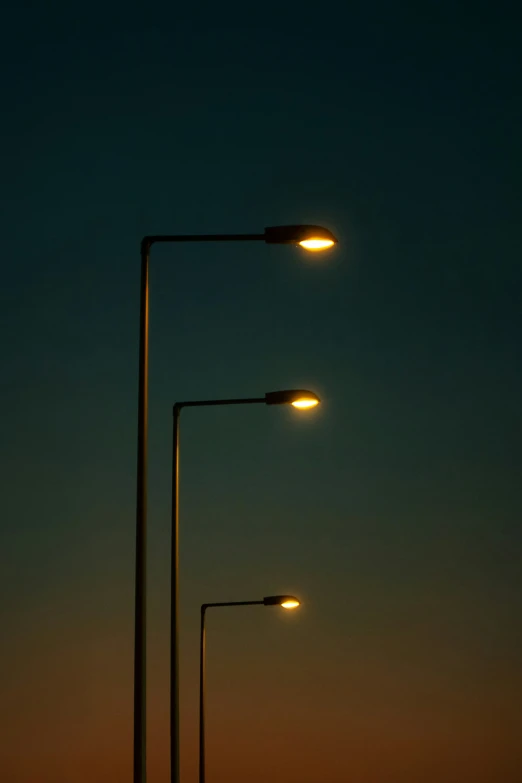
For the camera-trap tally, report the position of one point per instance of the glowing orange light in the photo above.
(316, 244)
(292, 603)
(305, 402)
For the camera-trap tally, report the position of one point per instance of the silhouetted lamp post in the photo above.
(286, 601)
(312, 238)
(299, 398)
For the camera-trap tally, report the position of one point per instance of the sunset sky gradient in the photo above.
(393, 510)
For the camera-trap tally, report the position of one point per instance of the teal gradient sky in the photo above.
(393, 510)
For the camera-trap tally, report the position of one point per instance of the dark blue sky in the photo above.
(394, 510)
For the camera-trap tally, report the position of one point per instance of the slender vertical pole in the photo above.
(140, 767)
(174, 605)
(202, 685)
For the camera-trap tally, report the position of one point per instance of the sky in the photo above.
(393, 510)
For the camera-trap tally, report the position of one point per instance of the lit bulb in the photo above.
(316, 244)
(290, 604)
(304, 403)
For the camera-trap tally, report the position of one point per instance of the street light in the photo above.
(285, 601)
(309, 237)
(301, 397)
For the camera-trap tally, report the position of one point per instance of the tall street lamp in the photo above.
(312, 238)
(299, 398)
(286, 601)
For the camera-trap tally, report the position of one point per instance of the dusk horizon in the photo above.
(391, 509)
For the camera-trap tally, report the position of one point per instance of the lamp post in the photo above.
(312, 238)
(299, 398)
(286, 601)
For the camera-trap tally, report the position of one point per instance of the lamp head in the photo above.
(299, 398)
(310, 237)
(286, 601)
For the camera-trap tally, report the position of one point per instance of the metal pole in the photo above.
(140, 771)
(140, 618)
(140, 672)
(174, 604)
(202, 677)
(202, 685)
